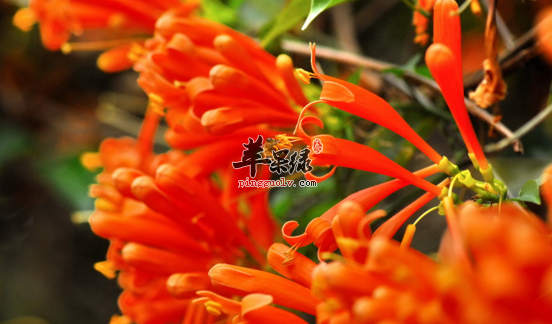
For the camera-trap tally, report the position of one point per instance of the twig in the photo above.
(336, 55)
(369, 63)
(520, 132)
(502, 28)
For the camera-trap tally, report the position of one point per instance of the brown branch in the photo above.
(526, 128)
(505, 34)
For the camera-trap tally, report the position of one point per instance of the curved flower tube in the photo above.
(340, 152)
(297, 267)
(440, 61)
(362, 103)
(59, 19)
(392, 225)
(544, 34)
(419, 20)
(243, 281)
(253, 308)
(319, 229)
(445, 56)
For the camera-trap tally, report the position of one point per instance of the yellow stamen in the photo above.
(214, 308)
(333, 256)
(24, 19)
(116, 20)
(179, 84)
(116, 319)
(107, 268)
(305, 76)
(104, 204)
(95, 46)
(289, 254)
(408, 236)
(137, 52)
(197, 217)
(81, 217)
(289, 260)
(91, 160)
(475, 7)
(157, 103)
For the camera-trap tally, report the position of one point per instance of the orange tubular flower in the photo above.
(318, 230)
(164, 216)
(339, 152)
(297, 268)
(360, 102)
(242, 281)
(253, 308)
(60, 18)
(420, 21)
(544, 34)
(227, 76)
(443, 57)
(509, 280)
(547, 191)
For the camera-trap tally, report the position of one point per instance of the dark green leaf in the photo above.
(217, 11)
(355, 77)
(398, 71)
(317, 7)
(530, 192)
(70, 179)
(14, 142)
(296, 11)
(411, 66)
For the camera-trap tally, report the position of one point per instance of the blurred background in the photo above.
(54, 107)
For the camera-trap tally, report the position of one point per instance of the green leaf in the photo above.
(540, 180)
(398, 71)
(410, 66)
(530, 192)
(70, 179)
(14, 143)
(317, 7)
(217, 11)
(296, 11)
(355, 77)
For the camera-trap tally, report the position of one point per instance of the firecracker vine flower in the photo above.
(362, 103)
(229, 85)
(169, 222)
(122, 23)
(420, 20)
(544, 34)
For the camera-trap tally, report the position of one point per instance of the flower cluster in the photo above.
(188, 245)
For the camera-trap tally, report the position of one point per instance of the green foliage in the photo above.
(529, 193)
(317, 7)
(411, 66)
(69, 178)
(223, 13)
(14, 143)
(355, 77)
(292, 14)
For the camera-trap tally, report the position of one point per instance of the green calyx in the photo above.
(448, 167)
